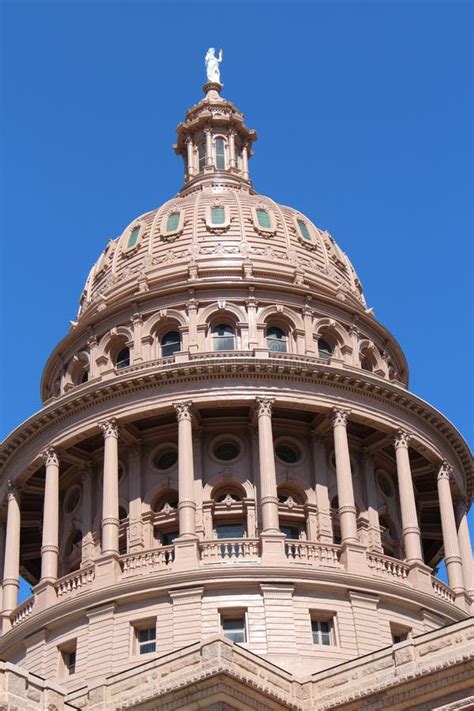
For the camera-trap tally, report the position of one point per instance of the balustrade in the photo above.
(310, 553)
(443, 591)
(229, 550)
(383, 565)
(147, 561)
(79, 579)
(23, 611)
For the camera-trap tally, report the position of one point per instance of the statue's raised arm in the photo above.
(212, 65)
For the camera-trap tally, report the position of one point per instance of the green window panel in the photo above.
(133, 239)
(264, 219)
(220, 154)
(202, 156)
(217, 215)
(304, 230)
(172, 222)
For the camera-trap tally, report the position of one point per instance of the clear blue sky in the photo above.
(364, 116)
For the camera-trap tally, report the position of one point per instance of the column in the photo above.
(245, 161)
(2, 556)
(192, 307)
(209, 152)
(325, 534)
(11, 568)
(465, 549)
(93, 344)
(49, 548)
(375, 540)
(110, 490)
(345, 491)
(268, 488)
(190, 156)
(411, 530)
(232, 149)
(137, 325)
(251, 304)
(308, 330)
(186, 505)
(448, 527)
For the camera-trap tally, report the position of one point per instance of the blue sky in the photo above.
(363, 111)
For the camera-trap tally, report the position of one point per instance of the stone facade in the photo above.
(230, 498)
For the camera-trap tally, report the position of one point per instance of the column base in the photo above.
(107, 570)
(273, 549)
(354, 559)
(419, 576)
(186, 554)
(45, 595)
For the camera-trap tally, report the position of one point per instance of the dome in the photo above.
(217, 225)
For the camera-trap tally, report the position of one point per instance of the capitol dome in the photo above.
(230, 498)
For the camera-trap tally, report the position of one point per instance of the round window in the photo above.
(72, 499)
(226, 451)
(385, 484)
(287, 453)
(165, 459)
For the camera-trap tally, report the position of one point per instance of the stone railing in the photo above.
(70, 584)
(442, 590)
(22, 611)
(213, 355)
(383, 565)
(311, 553)
(229, 550)
(147, 561)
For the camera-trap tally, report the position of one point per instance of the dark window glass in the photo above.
(70, 661)
(217, 215)
(170, 343)
(264, 219)
(202, 156)
(74, 541)
(166, 459)
(287, 453)
(172, 222)
(123, 358)
(276, 339)
(133, 239)
(292, 532)
(85, 376)
(220, 154)
(147, 640)
(230, 530)
(234, 629)
(233, 496)
(321, 632)
(324, 349)
(169, 537)
(366, 364)
(223, 338)
(226, 451)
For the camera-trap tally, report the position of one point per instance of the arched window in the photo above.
(263, 218)
(304, 232)
(324, 349)
(85, 376)
(172, 222)
(217, 215)
(220, 154)
(202, 156)
(170, 343)
(277, 340)
(223, 338)
(133, 238)
(366, 362)
(122, 359)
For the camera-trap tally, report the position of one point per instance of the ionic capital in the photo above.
(183, 410)
(50, 456)
(109, 427)
(340, 416)
(401, 439)
(264, 406)
(446, 471)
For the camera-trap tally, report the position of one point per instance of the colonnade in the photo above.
(455, 537)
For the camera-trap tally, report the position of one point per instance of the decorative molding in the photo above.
(340, 416)
(50, 456)
(401, 439)
(183, 410)
(264, 406)
(446, 471)
(109, 427)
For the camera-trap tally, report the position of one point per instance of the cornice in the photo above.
(282, 369)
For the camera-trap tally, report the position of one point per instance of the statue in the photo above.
(212, 65)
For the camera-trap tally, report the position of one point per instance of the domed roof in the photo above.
(217, 225)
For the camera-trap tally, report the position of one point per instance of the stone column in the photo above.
(345, 491)
(465, 549)
(190, 155)
(251, 304)
(192, 306)
(11, 568)
(137, 325)
(209, 152)
(2, 556)
(245, 161)
(375, 539)
(93, 344)
(308, 330)
(110, 491)
(448, 526)
(50, 548)
(411, 530)
(187, 505)
(268, 488)
(232, 149)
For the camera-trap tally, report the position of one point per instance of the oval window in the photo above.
(287, 453)
(165, 459)
(226, 451)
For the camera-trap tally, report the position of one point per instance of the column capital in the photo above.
(340, 416)
(401, 439)
(50, 456)
(446, 470)
(13, 491)
(264, 406)
(109, 427)
(183, 410)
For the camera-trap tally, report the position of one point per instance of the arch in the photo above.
(369, 353)
(297, 482)
(232, 479)
(167, 495)
(231, 487)
(335, 335)
(218, 311)
(78, 366)
(156, 324)
(112, 341)
(290, 318)
(156, 491)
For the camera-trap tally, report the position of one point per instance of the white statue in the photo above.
(212, 65)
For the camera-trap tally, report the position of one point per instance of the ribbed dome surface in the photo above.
(239, 248)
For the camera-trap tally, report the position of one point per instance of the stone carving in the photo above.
(446, 470)
(264, 406)
(340, 416)
(212, 65)
(183, 410)
(401, 439)
(50, 456)
(109, 427)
